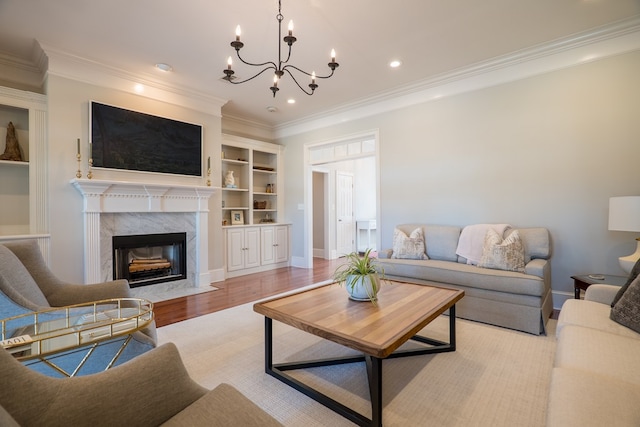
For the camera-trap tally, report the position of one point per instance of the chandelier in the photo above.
(281, 66)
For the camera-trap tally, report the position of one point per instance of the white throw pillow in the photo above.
(409, 247)
(507, 254)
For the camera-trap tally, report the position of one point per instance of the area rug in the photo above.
(496, 377)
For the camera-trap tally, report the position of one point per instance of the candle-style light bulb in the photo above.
(229, 63)
(313, 77)
(275, 80)
(238, 32)
(291, 27)
(333, 55)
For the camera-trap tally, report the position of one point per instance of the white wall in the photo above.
(68, 115)
(545, 151)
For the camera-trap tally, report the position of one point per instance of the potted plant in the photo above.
(361, 275)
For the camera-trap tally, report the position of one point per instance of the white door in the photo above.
(345, 228)
(235, 249)
(252, 247)
(268, 241)
(282, 244)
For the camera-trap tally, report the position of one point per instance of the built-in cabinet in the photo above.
(23, 195)
(252, 206)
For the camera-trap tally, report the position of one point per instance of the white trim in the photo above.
(66, 65)
(615, 39)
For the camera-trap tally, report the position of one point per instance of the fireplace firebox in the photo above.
(146, 259)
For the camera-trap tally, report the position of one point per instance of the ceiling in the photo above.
(431, 38)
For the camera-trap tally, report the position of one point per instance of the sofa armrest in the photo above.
(69, 294)
(537, 267)
(603, 294)
(385, 254)
(147, 390)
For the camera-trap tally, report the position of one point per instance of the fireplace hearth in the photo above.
(147, 259)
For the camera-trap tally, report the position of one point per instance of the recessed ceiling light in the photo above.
(164, 67)
(291, 101)
(139, 88)
(395, 63)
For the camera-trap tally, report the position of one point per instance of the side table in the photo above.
(584, 281)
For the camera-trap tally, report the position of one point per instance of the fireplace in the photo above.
(146, 259)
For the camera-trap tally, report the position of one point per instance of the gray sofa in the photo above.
(595, 379)
(154, 389)
(516, 300)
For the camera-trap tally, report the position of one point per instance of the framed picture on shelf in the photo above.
(237, 218)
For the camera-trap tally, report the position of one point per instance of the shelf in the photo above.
(262, 193)
(236, 208)
(234, 189)
(235, 162)
(14, 163)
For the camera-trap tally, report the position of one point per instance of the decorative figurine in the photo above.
(229, 180)
(12, 149)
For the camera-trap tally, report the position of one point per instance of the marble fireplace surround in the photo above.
(123, 207)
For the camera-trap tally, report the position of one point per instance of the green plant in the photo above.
(356, 269)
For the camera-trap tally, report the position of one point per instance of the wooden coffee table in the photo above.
(377, 331)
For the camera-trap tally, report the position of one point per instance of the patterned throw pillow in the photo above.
(409, 247)
(507, 254)
(634, 273)
(627, 309)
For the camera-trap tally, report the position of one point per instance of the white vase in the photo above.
(363, 288)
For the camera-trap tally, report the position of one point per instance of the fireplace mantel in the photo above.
(126, 196)
(102, 196)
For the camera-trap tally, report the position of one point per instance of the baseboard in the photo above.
(216, 275)
(559, 298)
(298, 262)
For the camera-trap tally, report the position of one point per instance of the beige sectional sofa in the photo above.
(595, 379)
(512, 299)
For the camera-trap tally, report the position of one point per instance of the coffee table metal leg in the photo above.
(374, 372)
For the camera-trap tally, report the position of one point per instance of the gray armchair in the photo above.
(27, 285)
(153, 389)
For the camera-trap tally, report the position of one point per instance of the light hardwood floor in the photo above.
(241, 290)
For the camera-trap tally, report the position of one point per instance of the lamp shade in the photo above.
(624, 213)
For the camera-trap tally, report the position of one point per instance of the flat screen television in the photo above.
(130, 140)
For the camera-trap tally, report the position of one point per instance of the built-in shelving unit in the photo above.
(259, 241)
(23, 197)
(256, 169)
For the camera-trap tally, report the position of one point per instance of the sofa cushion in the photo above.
(632, 276)
(507, 254)
(580, 398)
(590, 314)
(408, 247)
(599, 352)
(453, 273)
(17, 283)
(627, 310)
(441, 241)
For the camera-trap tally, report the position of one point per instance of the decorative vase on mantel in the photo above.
(363, 288)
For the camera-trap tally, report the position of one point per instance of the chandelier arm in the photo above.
(273, 64)
(304, 72)
(296, 81)
(251, 78)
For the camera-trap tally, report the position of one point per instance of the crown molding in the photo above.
(603, 42)
(67, 65)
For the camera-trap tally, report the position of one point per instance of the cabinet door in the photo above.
(252, 247)
(235, 249)
(268, 245)
(282, 244)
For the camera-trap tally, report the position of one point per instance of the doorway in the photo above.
(356, 155)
